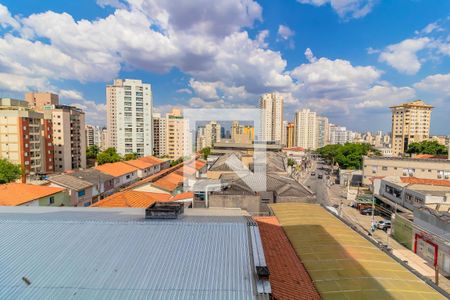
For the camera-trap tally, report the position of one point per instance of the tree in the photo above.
(205, 152)
(130, 156)
(290, 162)
(9, 171)
(110, 155)
(92, 152)
(427, 147)
(348, 156)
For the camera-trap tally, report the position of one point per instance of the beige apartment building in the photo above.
(179, 141)
(306, 129)
(38, 100)
(69, 137)
(290, 135)
(25, 137)
(271, 106)
(410, 123)
(405, 167)
(208, 135)
(159, 135)
(242, 134)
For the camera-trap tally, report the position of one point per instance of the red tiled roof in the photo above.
(186, 171)
(415, 180)
(294, 149)
(132, 199)
(151, 160)
(430, 156)
(169, 182)
(137, 163)
(116, 169)
(13, 194)
(182, 196)
(197, 164)
(288, 277)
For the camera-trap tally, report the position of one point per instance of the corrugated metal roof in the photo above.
(342, 264)
(93, 253)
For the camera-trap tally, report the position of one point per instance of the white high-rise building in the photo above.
(208, 135)
(271, 105)
(322, 131)
(93, 135)
(159, 135)
(129, 118)
(338, 135)
(306, 129)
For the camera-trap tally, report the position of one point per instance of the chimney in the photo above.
(164, 210)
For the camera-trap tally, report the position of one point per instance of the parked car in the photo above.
(320, 176)
(384, 225)
(313, 173)
(368, 211)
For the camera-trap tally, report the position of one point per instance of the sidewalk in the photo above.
(364, 223)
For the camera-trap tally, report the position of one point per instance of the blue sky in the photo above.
(348, 60)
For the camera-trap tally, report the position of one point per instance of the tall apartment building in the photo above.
(338, 135)
(93, 135)
(271, 106)
(323, 131)
(69, 137)
(129, 116)
(284, 134)
(159, 135)
(68, 130)
(104, 139)
(290, 135)
(306, 129)
(208, 135)
(25, 137)
(410, 123)
(242, 134)
(179, 142)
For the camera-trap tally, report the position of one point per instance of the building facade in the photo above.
(178, 140)
(338, 135)
(37, 100)
(129, 117)
(25, 137)
(290, 135)
(159, 135)
(410, 123)
(306, 129)
(93, 135)
(323, 131)
(242, 134)
(271, 106)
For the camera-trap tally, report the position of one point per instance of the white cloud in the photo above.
(206, 90)
(403, 56)
(345, 8)
(185, 91)
(19, 83)
(310, 56)
(285, 32)
(436, 84)
(261, 38)
(6, 19)
(95, 113)
(70, 94)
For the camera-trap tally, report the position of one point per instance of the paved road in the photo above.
(318, 186)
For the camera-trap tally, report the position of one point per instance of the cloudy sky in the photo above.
(347, 59)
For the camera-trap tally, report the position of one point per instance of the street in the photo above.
(318, 186)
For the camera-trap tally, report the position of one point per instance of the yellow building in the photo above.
(410, 123)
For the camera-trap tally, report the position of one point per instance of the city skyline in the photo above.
(267, 48)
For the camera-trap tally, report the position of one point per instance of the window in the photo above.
(51, 200)
(443, 174)
(81, 193)
(384, 168)
(374, 169)
(409, 172)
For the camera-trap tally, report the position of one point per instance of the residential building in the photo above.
(103, 139)
(69, 138)
(378, 166)
(271, 106)
(159, 135)
(129, 117)
(323, 131)
(306, 129)
(25, 137)
(208, 135)
(284, 134)
(158, 164)
(118, 253)
(339, 135)
(81, 192)
(178, 140)
(385, 151)
(93, 135)
(290, 135)
(242, 134)
(124, 174)
(38, 100)
(410, 123)
(132, 198)
(144, 169)
(102, 183)
(22, 194)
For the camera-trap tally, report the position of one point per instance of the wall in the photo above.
(60, 199)
(250, 203)
(402, 231)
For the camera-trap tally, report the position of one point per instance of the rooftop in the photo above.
(70, 182)
(140, 164)
(12, 194)
(151, 160)
(91, 175)
(118, 254)
(415, 103)
(132, 199)
(288, 276)
(343, 264)
(393, 158)
(170, 182)
(116, 169)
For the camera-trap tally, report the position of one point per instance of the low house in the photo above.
(144, 169)
(80, 191)
(102, 183)
(124, 174)
(171, 183)
(158, 164)
(22, 194)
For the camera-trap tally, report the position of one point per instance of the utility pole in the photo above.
(373, 213)
(436, 274)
